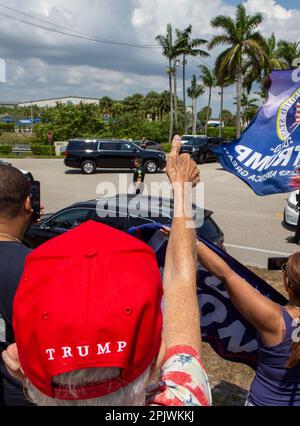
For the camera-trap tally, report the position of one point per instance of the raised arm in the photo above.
(260, 311)
(181, 311)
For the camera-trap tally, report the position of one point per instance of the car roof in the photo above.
(123, 200)
(98, 140)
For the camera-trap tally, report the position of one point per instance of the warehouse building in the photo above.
(52, 102)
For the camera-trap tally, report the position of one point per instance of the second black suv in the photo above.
(201, 148)
(92, 154)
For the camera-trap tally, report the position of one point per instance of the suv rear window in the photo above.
(82, 145)
(109, 146)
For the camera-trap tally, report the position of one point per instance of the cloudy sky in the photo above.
(44, 64)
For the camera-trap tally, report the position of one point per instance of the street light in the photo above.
(31, 116)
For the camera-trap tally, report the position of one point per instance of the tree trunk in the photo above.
(171, 102)
(208, 111)
(194, 117)
(238, 101)
(221, 111)
(184, 96)
(175, 100)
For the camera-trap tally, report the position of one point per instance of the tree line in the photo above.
(248, 58)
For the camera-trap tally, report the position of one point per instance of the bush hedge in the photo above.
(166, 147)
(5, 149)
(44, 150)
(228, 133)
(17, 139)
(7, 127)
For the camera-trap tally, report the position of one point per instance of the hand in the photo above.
(295, 182)
(42, 208)
(12, 363)
(181, 168)
(166, 231)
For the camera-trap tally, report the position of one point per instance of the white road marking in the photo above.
(258, 250)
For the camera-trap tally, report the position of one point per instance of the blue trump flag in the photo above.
(268, 152)
(229, 334)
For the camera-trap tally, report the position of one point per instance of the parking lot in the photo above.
(252, 225)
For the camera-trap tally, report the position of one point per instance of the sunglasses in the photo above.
(283, 267)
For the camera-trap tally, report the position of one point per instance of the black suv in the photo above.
(151, 210)
(201, 148)
(92, 154)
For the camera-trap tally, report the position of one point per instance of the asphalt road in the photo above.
(252, 225)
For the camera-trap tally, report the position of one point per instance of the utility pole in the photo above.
(184, 63)
(31, 108)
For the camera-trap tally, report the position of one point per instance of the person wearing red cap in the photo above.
(88, 319)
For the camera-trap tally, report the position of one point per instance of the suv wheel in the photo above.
(151, 166)
(88, 167)
(202, 158)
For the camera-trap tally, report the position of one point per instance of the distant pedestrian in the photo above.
(143, 144)
(138, 176)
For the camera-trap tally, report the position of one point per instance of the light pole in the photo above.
(177, 64)
(31, 109)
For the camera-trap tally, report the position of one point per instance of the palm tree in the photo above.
(209, 80)
(134, 104)
(188, 47)
(222, 82)
(166, 42)
(151, 104)
(194, 91)
(255, 71)
(164, 103)
(244, 43)
(249, 108)
(106, 105)
(289, 52)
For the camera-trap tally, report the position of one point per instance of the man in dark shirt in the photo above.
(138, 175)
(15, 217)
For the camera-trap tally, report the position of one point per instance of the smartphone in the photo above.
(275, 263)
(35, 198)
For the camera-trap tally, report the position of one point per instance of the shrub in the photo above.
(17, 139)
(166, 147)
(43, 150)
(5, 149)
(228, 133)
(7, 127)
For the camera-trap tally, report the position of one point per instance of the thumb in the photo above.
(176, 145)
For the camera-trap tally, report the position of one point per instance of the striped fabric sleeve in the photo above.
(183, 380)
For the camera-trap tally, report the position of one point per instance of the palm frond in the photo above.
(218, 41)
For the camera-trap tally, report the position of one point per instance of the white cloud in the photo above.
(151, 17)
(284, 23)
(48, 64)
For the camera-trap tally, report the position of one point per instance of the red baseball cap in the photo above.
(88, 298)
